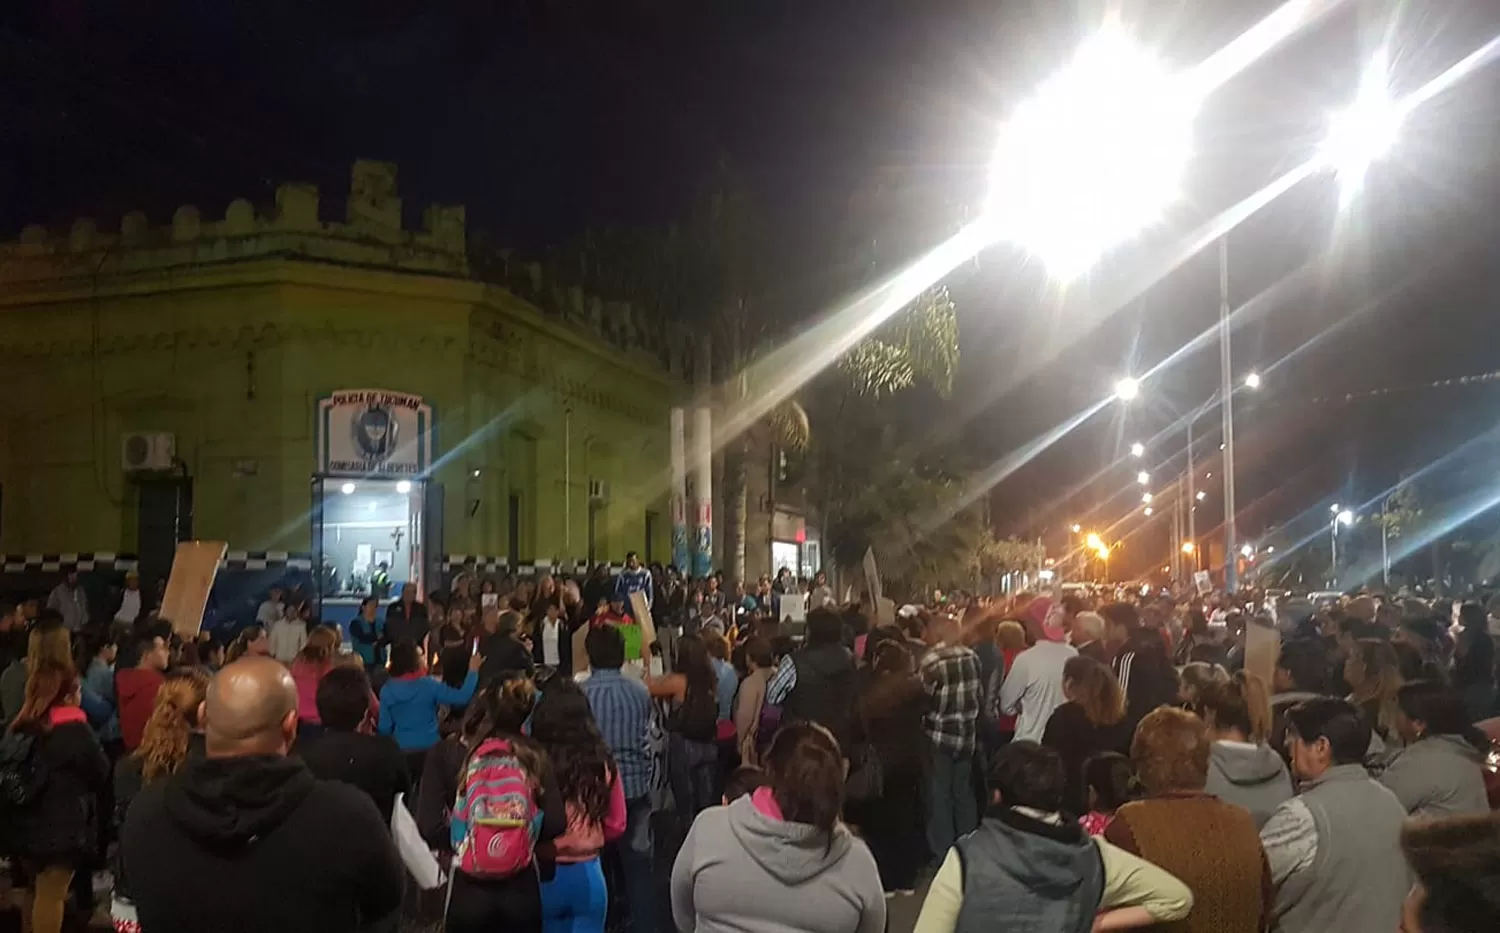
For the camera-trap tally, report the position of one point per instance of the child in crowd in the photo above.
(1111, 781)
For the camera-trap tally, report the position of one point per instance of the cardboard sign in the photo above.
(1262, 648)
(642, 613)
(580, 650)
(193, 571)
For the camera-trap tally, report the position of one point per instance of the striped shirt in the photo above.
(622, 708)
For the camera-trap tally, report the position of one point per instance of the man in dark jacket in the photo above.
(1140, 662)
(372, 763)
(279, 849)
(817, 684)
(406, 618)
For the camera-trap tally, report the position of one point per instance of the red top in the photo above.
(136, 688)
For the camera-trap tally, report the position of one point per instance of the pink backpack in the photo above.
(495, 819)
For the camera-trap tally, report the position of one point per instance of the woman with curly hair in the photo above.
(576, 899)
(173, 732)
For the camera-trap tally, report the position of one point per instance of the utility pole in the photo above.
(1227, 386)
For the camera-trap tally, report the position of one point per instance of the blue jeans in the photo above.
(952, 810)
(575, 900)
(635, 849)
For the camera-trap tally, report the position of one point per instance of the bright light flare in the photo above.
(1345, 517)
(1149, 511)
(403, 487)
(1094, 541)
(1138, 450)
(1103, 552)
(1364, 132)
(1146, 498)
(1202, 495)
(1247, 551)
(1143, 478)
(1252, 381)
(1094, 157)
(1188, 548)
(347, 489)
(1127, 389)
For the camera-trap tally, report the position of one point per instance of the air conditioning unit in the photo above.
(598, 490)
(147, 451)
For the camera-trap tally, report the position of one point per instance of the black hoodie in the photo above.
(257, 843)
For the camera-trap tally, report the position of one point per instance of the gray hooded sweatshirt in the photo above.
(742, 870)
(1441, 775)
(1249, 776)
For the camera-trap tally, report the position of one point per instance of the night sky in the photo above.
(550, 117)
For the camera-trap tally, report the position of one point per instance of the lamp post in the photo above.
(1340, 517)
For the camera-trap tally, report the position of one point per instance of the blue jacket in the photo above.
(99, 700)
(408, 708)
(633, 581)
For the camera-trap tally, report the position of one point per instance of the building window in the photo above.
(369, 530)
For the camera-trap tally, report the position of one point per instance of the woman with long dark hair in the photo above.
(1440, 772)
(779, 858)
(475, 903)
(1087, 724)
(55, 832)
(693, 751)
(576, 900)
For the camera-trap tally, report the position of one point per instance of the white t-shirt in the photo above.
(268, 612)
(1033, 687)
(551, 656)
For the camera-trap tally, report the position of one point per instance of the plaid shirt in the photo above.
(622, 709)
(951, 675)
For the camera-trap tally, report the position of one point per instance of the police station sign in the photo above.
(373, 432)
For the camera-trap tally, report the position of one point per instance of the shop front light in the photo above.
(347, 489)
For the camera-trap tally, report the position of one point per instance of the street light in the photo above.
(1094, 541)
(1149, 511)
(1138, 450)
(1077, 528)
(1252, 381)
(1146, 498)
(1127, 389)
(1187, 547)
(1341, 516)
(1094, 157)
(1143, 478)
(1365, 131)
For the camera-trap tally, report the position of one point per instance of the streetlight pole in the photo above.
(1227, 387)
(1192, 496)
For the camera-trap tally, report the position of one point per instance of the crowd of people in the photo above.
(1065, 764)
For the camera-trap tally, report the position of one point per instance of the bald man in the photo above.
(246, 839)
